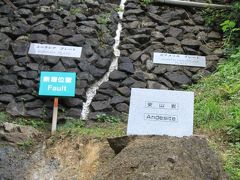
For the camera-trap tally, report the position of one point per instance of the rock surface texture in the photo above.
(162, 157)
(156, 28)
(143, 158)
(88, 24)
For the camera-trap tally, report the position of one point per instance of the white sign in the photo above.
(160, 112)
(179, 59)
(55, 50)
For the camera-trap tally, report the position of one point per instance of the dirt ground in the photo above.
(132, 158)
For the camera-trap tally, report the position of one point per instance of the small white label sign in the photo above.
(55, 50)
(179, 59)
(160, 112)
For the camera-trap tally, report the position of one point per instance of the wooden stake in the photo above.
(54, 118)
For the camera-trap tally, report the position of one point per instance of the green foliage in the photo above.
(72, 123)
(228, 21)
(232, 161)
(36, 123)
(228, 25)
(146, 2)
(100, 130)
(119, 9)
(104, 18)
(107, 118)
(100, 35)
(26, 145)
(230, 30)
(74, 11)
(217, 111)
(4, 117)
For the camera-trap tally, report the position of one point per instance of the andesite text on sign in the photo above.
(179, 59)
(57, 84)
(55, 50)
(160, 112)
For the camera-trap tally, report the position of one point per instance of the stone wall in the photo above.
(156, 28)
(91, 25)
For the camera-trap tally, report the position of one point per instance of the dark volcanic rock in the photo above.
(125, 91)
(155, 85)
(117, 75)
(175, 32)
(36, 113)
(109, 85)
(68, 63)
(126, 67)
(76, 40)
(178, 77)
(11, 89)
(8, 79)
(122, 107)
(25, 98)
(59, 67)
(96, 72)
(3, 70)
(191, 43)
(73, 102)
(171, 41)
(118, 99)
(39, 38)
(103, 62)
(74, 112)
(20, 48)
(16, 109)
(34, 104)
(4, 41)
(27, 83)
(6, 98)
(101, 106)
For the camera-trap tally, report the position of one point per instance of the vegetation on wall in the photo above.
(228, 21)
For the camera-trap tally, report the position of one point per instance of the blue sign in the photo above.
(57, 84)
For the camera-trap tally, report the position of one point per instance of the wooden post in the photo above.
(54, 118)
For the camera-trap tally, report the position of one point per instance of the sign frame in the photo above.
(57, 84)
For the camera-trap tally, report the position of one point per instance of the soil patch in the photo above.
(84, 158)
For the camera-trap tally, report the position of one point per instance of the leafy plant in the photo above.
(72, 123)
(36, 123)
(233, 132)
(74, 11)
(26, 145)
(146, 2)
(228, 21)
(104, 18)
(217, 111)
(229, 28)
(119, 9)
(107, 118)
(232, 161)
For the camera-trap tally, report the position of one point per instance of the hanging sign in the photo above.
(57, 84)
(55, 50)
(179, 59)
